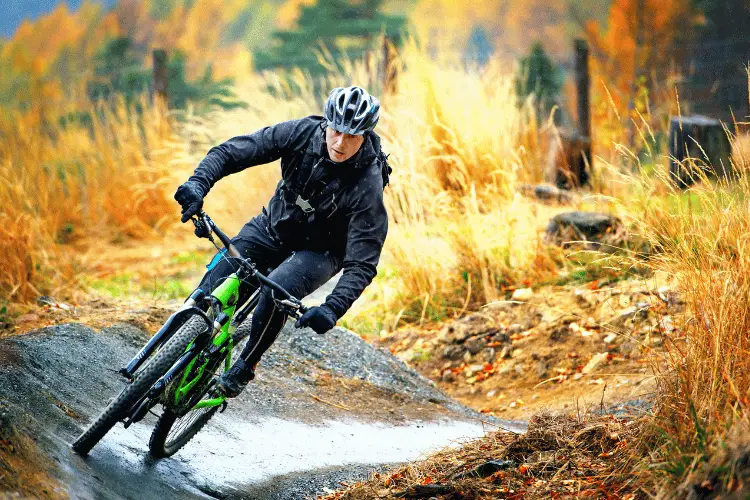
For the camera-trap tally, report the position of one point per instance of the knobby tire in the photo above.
(156, 366)
(161, 446)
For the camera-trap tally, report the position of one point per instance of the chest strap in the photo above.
(307, 205)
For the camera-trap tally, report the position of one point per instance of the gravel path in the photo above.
(323, 409)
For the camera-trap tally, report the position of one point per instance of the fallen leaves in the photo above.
(558, 457)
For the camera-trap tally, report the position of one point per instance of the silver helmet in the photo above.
(352, 110)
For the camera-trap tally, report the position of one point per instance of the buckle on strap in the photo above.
(304, 204)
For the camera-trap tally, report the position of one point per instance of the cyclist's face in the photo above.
(342, 146)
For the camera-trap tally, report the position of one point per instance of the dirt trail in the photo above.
(323, 409)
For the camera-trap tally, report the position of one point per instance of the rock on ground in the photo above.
(592, 230)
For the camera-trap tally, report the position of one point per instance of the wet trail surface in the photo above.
(323, 409)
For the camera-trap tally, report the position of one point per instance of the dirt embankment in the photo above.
(323, 409)
(557, 348)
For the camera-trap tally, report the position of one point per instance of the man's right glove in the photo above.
(190, 197)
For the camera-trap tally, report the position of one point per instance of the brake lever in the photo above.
(202, 228)
(294, 309)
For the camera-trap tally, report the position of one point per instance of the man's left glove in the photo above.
(319, 318)
(190, 197)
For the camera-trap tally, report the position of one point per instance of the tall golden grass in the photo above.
(63, 184)
(702, 238)
(459, 146)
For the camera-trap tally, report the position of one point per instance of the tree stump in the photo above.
(698, 146)
(569, 161)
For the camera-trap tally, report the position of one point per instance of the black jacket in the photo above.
(349, 218)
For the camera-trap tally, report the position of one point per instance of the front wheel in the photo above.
(154, 368)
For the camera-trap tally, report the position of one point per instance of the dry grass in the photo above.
(459, 234)
(558, 457)
(700, 237)
(61, 185)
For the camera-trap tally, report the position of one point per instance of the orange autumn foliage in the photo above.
(634, 63)
(52, 54)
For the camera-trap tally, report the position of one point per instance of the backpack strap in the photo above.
(386, 169)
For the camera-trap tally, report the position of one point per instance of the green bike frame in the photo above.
(227, 294)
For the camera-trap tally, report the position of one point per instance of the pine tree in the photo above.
(119, 72)
(538, 75)
(341, 28)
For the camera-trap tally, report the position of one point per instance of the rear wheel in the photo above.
(155, 367)
(172, 432)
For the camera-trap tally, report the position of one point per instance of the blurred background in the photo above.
(105, 107)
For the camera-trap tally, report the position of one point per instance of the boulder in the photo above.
(475, 345)
(591, 230)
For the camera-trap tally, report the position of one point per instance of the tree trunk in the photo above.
(161, 75)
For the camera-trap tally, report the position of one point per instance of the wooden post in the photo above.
(161, 75)
(581, 166)
(582, 87)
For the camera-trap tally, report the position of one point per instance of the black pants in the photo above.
(300, 272)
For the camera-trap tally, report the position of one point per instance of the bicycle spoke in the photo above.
(183, 424)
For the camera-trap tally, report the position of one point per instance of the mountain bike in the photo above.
(178, 366)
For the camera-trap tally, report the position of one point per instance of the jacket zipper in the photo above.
(315, 176)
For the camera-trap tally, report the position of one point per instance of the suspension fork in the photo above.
(151, 398)
(175, 321)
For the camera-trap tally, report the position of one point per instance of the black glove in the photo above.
(190, 197)
(319, 318)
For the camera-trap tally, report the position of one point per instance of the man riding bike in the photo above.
(326, 214)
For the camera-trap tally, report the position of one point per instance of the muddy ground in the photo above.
(324, 409)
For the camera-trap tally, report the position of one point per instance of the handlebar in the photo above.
(205, 226)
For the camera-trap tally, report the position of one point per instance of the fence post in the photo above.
(161, 75)
(583, 86)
